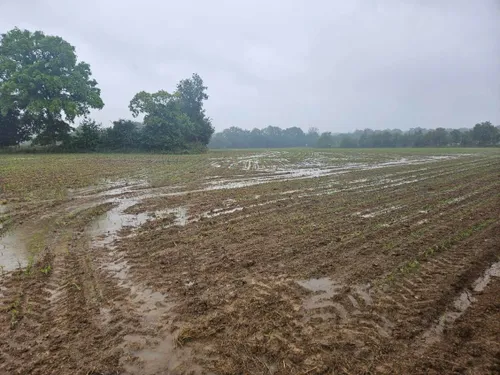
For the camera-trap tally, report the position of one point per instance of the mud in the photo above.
(324, 290)
(318, 264)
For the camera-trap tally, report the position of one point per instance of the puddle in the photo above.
(105, 229)
(363, 292)
(219, 212)
(324, 289)
(460, 305)
(151, 305)
(459, 199)
(151, 355)
(482, 282)
(4, 209)
(155, 356)
(13, 251)
(313, 169)
(108, 188)
(181, 215)
(372, 214)
(229, 202)
(122, 187)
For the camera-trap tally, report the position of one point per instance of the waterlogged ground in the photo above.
(251, 262)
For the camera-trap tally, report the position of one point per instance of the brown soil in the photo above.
(357, 273)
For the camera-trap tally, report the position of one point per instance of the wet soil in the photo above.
(268, 264)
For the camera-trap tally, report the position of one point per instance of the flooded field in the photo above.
(240, 262)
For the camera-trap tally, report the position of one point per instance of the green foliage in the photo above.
(42, 82)
(191, 93)
(166, 127)
(15, 311)
(325, 140)
(87, 136)
(30, 265)
(46, 270)
(123, 136)
(13, 131)
(174, 122)
(485, 134)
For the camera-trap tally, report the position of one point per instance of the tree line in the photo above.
(44, 89)
(481, 135)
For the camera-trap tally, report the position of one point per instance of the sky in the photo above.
(333, 64)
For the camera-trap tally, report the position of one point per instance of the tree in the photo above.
(456, 137)
(166, 127)
(87, 136)
(123, 135)
(191, 93)
(41, 80)
(312, 136)
(174, 121)
(484, 134)
(293, 137)
(348, 141)
(12, 130)
(325, 140)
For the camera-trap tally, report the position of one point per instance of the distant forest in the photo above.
(483, 134)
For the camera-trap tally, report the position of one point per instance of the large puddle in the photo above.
(282, 170)
(107, 227)
(13, 251)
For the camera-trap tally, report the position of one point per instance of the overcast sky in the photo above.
(334, 64)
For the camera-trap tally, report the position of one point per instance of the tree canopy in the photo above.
(177, 121)
(43, 85)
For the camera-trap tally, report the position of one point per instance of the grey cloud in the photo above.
(336, 65)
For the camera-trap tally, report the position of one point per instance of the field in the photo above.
(251, 262)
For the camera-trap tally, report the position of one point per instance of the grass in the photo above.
(46, 270)
(15, 312)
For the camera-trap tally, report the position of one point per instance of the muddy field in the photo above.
(264, 262)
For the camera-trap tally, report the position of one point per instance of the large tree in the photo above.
(42, 81)
(485, 134)
(191, 93)
(166, 126)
